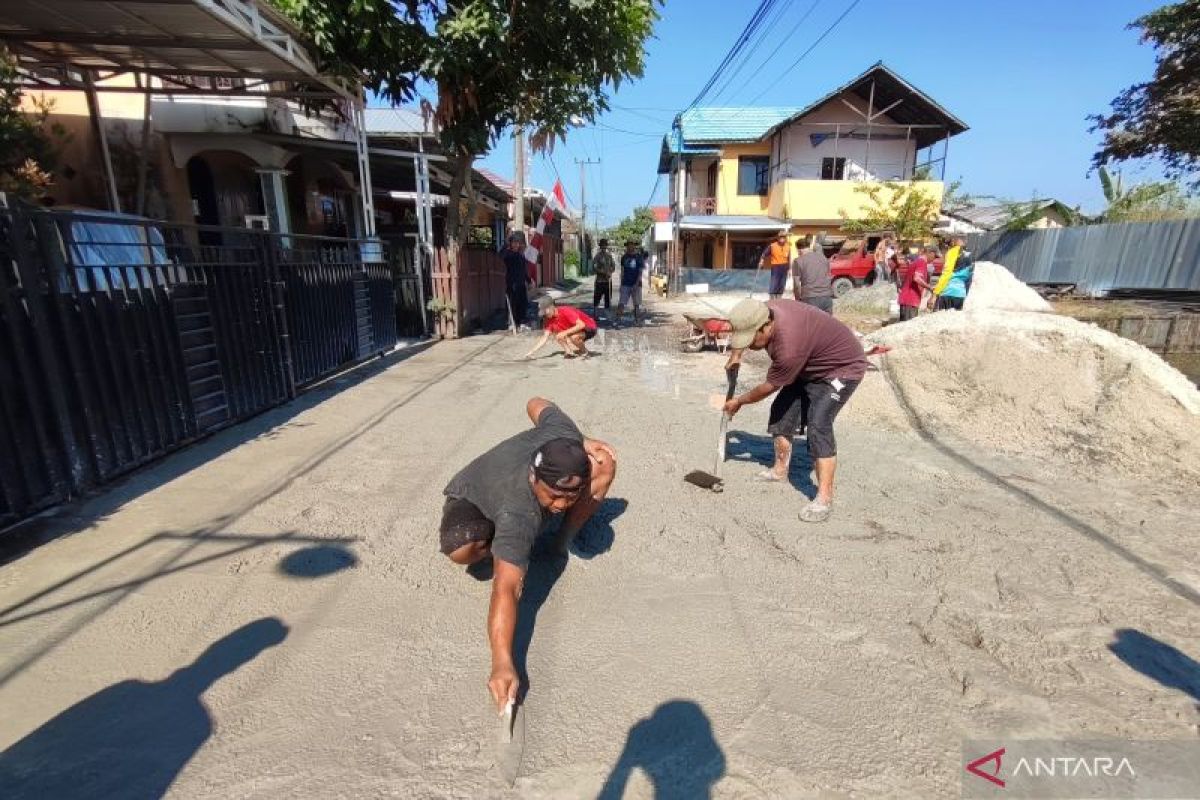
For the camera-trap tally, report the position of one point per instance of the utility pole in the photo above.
(519, 180)
(585, 252)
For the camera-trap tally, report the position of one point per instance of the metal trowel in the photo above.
(712, 480)
(510, 744)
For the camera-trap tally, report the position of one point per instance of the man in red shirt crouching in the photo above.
(570, 327)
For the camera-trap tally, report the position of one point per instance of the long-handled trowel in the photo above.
(712, 480)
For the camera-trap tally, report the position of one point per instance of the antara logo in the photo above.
(1070, 767)
(976, 767)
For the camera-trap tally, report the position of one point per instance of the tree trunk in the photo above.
(457, 225)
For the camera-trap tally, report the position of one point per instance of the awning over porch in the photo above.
(732, 223)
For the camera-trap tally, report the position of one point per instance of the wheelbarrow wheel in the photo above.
(692, 345)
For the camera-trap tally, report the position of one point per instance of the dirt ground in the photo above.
(267, 615)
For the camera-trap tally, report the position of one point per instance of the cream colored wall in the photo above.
(814, 202)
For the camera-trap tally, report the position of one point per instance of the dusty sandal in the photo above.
(815, 512)
(767, 476)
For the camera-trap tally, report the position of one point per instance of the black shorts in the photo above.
(950, 303)
(813, 405)
(463, 523)
(908, 312)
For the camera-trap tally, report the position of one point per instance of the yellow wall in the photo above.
(809, 201)
(728, 199)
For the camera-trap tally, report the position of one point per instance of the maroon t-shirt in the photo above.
(810, 344)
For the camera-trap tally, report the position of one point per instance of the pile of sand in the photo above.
(994, 287)
(874, 299)
(1050, 388)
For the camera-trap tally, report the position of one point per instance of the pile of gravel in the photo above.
(1050, 388)
(994, 287)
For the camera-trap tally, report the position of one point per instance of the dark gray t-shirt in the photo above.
(811, 269)
(497, 483)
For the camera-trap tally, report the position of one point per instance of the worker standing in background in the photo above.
(777, 256)
(811, 280)
(914, 284)
(604, 267)
(633, 264)
(516, 279)
(948, 264)
(954, 296)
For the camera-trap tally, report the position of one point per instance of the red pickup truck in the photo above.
(850, 268)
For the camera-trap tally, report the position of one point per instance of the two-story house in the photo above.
(738, 176)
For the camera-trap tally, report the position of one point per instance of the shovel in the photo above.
(713, 481)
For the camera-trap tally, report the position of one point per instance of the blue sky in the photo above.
(1023, 75)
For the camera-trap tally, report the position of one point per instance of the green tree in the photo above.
(28, 154)
(493, 64)
(1142, 202)
(632, 227)
(1161, 117)
(903, 208)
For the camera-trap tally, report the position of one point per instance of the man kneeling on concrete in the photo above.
(817, 362)
(498, 504)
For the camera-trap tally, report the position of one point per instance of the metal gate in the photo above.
(122, 339)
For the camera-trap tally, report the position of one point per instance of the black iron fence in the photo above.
(122, 339)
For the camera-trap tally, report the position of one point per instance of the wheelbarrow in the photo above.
(706, 332)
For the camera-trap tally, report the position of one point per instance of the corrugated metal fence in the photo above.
(123, 339)
(1134, 255)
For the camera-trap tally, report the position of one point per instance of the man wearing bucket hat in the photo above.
(816, 364)
(498, 504)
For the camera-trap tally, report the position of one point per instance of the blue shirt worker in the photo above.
(633, 264)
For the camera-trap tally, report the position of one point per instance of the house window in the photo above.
(833, 169)
(752, 174)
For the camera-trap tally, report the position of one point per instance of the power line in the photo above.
(648, 134)
(811, 47)
(751, 49)
(738, 44)
(786, 38)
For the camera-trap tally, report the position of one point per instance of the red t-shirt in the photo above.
(910, 292)
(568, 317)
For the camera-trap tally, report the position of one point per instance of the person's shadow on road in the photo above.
(742, 446)
(131, 739)
(676, 750)
(1158, 660)
(597, 536)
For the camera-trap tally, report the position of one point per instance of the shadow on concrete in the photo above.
(74, 518)
(81, 514)
(676, 750)
(760, 449)
(241, 543)
(597, 536)
(132, 739)
(1157, 660)
(544, 572)
(317, 561)
(1151, 570)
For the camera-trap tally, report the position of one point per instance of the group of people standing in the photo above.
(911, 274)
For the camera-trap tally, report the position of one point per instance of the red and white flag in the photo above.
(556, 202)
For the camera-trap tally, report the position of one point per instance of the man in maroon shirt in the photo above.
(816, 364)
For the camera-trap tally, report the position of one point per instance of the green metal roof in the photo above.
(733, 124)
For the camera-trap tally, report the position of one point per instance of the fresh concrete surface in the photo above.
(704, 643)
